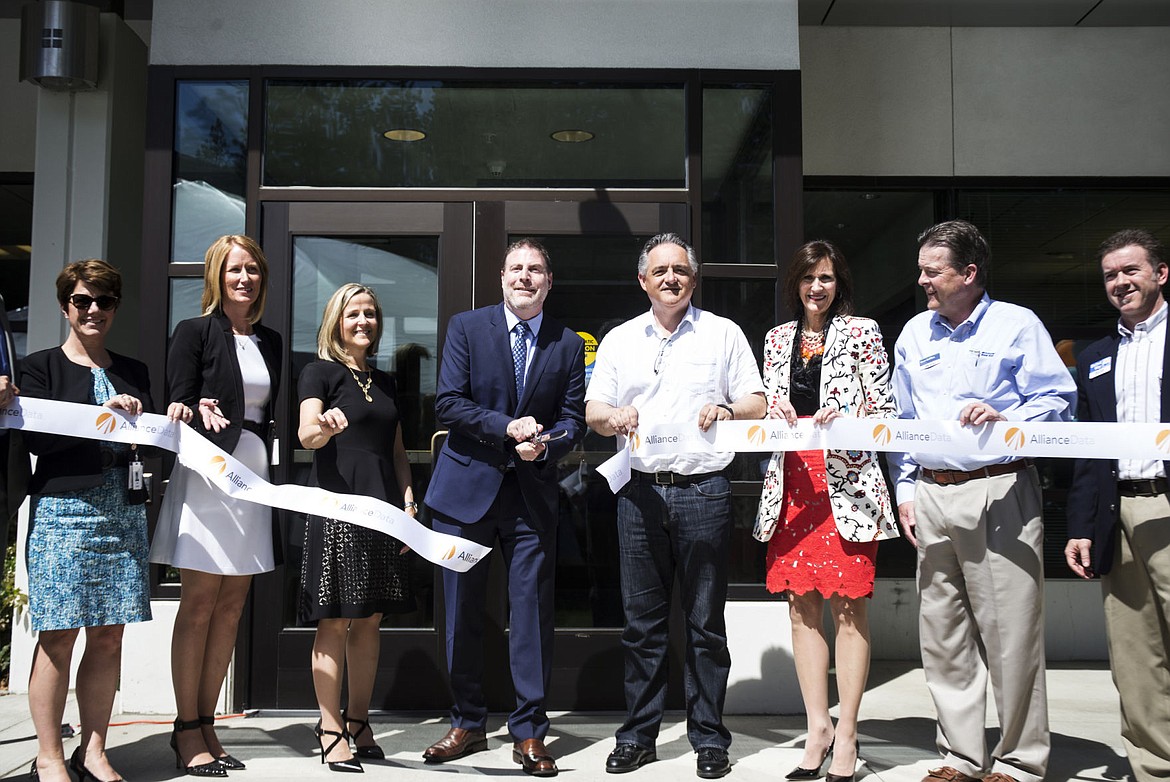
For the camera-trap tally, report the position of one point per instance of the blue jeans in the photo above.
(664, 530)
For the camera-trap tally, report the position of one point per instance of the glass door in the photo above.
(413, 256)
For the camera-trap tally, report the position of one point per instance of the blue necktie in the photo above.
(520, 355)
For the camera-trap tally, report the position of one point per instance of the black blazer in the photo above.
(72, 463)
(1092, 498)
(202, 363)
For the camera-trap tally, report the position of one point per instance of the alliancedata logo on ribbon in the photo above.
(456, 553)
(755, 435)
(882, 435)
(636, 440)
(1014, 438)
(1162, 441)
(217, 464)
(105, 423)
(329, 502)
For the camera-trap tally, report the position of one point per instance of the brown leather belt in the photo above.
(1142, 487)
(951, 477)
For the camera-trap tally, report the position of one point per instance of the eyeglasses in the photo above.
(662, 351)
(82, 302)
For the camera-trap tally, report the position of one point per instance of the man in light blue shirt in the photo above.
(975, 518)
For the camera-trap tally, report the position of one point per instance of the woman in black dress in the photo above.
(350, 575)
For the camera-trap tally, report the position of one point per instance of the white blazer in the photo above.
(855, 379)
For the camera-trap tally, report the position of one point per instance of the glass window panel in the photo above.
(331, 134)
(737, 174)
(403, 271)
(211, 151)
(186, 297)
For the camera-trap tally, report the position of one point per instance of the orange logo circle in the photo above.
(105, 423)
(881, 434)
(755, 435)
(217, 464)
(1162, 441)
(1014, 438)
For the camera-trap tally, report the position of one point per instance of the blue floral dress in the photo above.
(87, 551)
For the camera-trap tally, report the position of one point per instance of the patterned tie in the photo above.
(520, 355)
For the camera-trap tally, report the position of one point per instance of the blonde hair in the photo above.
(329, 344)
(213, 263)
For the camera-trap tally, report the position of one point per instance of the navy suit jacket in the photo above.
(1092, 499)
(476, 401)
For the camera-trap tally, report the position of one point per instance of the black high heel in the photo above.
(370, 751)
(810, 773)
(212, 769)
(225, 760)
(351, 766)
(81, 771)
(849, 777)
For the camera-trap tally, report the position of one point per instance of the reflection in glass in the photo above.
(737, 174)
(403, 271)
(186, 295)
(211, 150)
(331, 134)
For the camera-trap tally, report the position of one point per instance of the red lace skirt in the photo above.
(807, 554)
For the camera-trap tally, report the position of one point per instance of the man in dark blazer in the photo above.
(1119, 509)
(510, 377)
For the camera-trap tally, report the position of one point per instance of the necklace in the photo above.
(812, 343)
(365, 387)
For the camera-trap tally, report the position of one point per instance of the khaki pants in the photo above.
(1137, 599)
(981, 581)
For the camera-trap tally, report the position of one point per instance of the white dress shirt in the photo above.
(1138, 382)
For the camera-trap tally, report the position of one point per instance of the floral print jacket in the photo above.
(855, 379)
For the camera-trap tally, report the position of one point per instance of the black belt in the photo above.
(950, 477)
(112, 458)
(667, 478)
(256, 428)
(1143, 487)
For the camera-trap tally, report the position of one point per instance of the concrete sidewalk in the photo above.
(897, 739)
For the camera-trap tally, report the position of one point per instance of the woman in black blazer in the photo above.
(228, 366)
(87, 544)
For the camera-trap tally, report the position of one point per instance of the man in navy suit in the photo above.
(510, 377)
(1118, 509)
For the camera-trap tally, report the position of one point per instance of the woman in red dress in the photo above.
(823, 512)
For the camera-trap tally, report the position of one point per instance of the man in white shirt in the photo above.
(674, 364)
(1118, 509)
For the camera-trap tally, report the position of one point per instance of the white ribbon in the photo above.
(1092, 440)
(234, 478)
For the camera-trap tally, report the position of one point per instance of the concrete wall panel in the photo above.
(876, 101)
(1062, 101)
(19, 102)
(488, 33)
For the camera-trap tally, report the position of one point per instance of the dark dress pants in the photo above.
(530, 558)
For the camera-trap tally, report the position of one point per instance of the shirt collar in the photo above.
(1147, 325)
(968, 325)
(688, 318)
(511, 318)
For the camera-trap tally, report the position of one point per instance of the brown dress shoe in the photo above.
(457, 743)
(948, 774)
(533, 757)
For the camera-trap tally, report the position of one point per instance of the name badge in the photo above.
(1098, 368)
(929, 361)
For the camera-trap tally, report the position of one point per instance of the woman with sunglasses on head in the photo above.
(227, 366)
(823, 512)
(87, 544)
(351, 576)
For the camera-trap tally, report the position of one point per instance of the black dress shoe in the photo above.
(628, 757)
(712, 763)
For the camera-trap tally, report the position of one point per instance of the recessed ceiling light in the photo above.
(571, 136)
(870, 196)
(405, 134)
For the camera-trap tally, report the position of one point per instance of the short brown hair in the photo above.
(329, 344)
(805, 260)
(966, 244)
(527, 243)
(93, 272)
(213, 263)
(1134, 237)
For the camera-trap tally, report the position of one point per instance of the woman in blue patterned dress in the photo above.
(87, 547)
